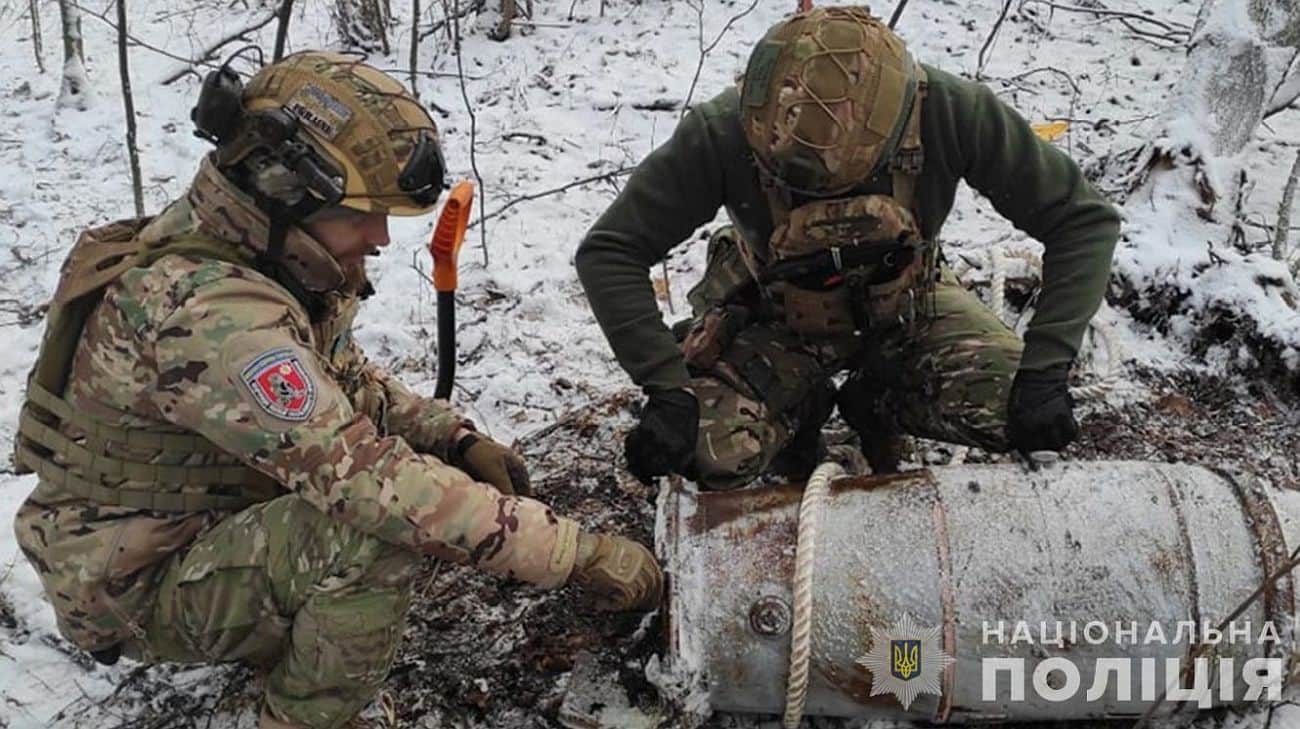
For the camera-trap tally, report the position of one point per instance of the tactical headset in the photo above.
(219, 116)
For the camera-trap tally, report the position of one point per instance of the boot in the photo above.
(268, 721)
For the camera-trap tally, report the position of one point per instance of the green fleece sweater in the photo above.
(967, 133)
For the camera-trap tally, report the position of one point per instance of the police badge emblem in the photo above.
(906, 660)
(281, 384)
(906, 656)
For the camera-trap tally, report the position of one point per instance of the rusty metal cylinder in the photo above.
(962, 548)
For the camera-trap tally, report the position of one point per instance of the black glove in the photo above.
(664, 441)
(1040, 411)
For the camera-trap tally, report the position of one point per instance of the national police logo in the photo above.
(906, 656)
(281, 384)
(905, 661)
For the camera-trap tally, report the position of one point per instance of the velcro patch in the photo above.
(319, 110)
(281, 384)
(759, 73)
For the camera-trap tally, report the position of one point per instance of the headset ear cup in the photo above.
(220, 107)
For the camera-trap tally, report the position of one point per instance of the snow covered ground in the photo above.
(575, 94)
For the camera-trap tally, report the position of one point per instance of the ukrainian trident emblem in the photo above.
(906, 660)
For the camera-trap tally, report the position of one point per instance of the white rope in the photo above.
(1102, 330)
(998, 282)
(810, 509)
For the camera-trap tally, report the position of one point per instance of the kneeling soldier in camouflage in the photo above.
(222, 474)
(837, 159)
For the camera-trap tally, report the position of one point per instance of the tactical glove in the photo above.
(622, 574)
(487, 460)
(1040, 411)
(664, 441)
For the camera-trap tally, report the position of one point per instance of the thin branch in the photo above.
(136, 41)
(36, 34)
(898, 13)
(988, 42)
(282, 29)
(705, 50)
(415, 48)
(554, 191)
(212, 49)
(1171, 27)
(473, 130)
(448, 21)
(133, 153)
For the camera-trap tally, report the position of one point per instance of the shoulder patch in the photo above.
(281, 384)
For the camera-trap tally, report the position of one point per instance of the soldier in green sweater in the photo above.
(837, 159)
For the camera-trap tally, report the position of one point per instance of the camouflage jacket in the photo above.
(967, 133)
(207, 345)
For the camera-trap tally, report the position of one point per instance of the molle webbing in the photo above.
(86, 467)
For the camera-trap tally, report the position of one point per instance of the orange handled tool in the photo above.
(449, 234)
(444, 246)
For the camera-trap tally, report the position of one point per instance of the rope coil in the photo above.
(810, 509)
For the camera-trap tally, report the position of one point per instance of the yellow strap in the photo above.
(179, 502)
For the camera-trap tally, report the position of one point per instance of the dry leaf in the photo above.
(661, 288)
(1051, 131)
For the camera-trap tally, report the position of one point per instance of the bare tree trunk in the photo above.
(508, 12)
(75, 90)
(361, 24)
(36, 34)
(1236, 73)
(1183, 258)
(385, 15)
(415, 47)
(282, 29)
(133, 153)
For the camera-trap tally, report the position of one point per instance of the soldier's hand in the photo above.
(487, 460)
(1040, 411)
(620, 573)
(664, 441)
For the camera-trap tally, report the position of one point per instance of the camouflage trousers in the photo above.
(315, 603)
(946, 377)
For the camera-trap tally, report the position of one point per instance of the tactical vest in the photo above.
(839, 267)
(78, 453)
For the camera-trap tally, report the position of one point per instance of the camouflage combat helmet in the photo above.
(825, 98)
(379, 144)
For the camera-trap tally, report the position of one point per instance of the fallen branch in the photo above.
(1170, 27)
(554, 191)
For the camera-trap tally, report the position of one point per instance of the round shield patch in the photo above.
(281, 384)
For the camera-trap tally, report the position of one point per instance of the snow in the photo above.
(571, 98)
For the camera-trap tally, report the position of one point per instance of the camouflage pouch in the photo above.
(711, 334)
(726, 276)
(888, 292)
